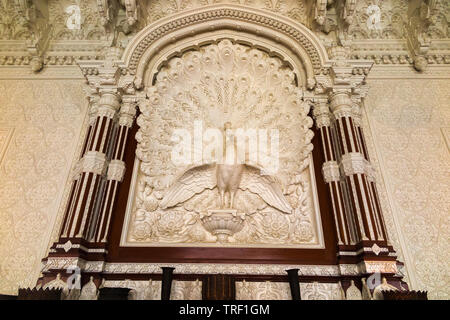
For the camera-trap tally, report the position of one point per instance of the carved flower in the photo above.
(275, 224)
(141, 231)
(170, 223)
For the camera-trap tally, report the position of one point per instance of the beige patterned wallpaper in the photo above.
(409, 122)
(40, 123)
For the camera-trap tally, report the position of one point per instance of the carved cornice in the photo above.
(37, 35)
(426, 22)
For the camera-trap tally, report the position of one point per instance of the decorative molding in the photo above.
(151, 290)
(224, 16)
(62, 263)
(246, 290)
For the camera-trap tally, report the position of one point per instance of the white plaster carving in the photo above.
(73, 22)
(378, 267)
(417, 181)
(374, 20)
(246, 290)
(354, 163)
(89, 291)
(199, 268)
(116, 170)
(151, 290)
(223, 223)
(94, 162)
(330, 171)
(384, 286)
(57, 283)
(196, 78)
(353, 293)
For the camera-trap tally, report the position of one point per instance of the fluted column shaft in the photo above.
(92, 165)
(330, 170)
(356, 169)
(116, 170)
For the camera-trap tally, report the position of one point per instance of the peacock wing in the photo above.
(190, 183)
(266, 187)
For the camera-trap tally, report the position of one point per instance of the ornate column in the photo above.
(330, 170)
(92, 166)
(356, 169)
(100, 169)
(116, 170)
(361, 232)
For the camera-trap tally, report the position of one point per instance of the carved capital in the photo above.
(109, 103)
(341, 103)
(127, 111)
(322, 114)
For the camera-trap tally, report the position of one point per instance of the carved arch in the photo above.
(293, 38)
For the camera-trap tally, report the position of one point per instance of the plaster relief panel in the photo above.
(75, 20)
(196, 183)
(281, 291)
(151, 290)
(379, 20)
(294, 9)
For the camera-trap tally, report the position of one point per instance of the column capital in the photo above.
(341, 102)
(127, 111)
(321, 113)
(93, 98)
(109, 102)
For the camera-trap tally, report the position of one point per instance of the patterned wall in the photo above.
(409, 122)
(40, 122)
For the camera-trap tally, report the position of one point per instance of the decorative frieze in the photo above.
(56, 263)
(368, 266)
